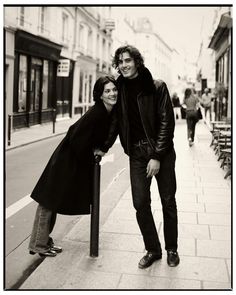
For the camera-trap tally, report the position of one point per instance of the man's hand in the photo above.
(153, 167)
(98, 152)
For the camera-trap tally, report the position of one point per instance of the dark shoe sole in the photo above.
(46, 254)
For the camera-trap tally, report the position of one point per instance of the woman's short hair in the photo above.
(99, 86)
(134, 53)
(187, 92)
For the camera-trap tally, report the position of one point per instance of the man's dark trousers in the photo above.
(140, 186)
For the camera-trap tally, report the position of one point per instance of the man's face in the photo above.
(127, 66)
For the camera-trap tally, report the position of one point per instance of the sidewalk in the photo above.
(204, 213)
(39, 132)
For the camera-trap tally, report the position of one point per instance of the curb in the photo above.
(33, 141)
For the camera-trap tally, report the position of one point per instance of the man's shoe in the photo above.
(57, 249)
(148, 259)
(172, 258)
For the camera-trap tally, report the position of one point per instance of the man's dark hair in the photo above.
(99, 86)
(134, 53)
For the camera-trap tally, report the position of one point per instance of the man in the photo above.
(206, 102)
(145, 123)
(176, 105)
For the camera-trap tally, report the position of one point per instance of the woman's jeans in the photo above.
(192, 119)
(140, 186)
(44, 222)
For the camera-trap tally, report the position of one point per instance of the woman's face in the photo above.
(109, 95)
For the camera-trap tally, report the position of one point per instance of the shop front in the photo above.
(35, 72)
(221, 43)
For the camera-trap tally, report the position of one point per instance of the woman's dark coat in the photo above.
(65, 185)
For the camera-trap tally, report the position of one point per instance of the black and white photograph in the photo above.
(117, 152)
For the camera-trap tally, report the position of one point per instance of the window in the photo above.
(42, 19)
(45, 84)
(81, 87)
(22, 16)
(81, 37)
(22, 90)
(64, 28)
(90, 42)
(90, 88)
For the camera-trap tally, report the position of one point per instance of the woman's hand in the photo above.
(98, 152)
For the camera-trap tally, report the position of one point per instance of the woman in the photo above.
(65, 185)
(192, 104)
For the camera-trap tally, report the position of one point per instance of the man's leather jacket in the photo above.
(157, 116)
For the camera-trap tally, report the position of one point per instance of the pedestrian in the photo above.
(206, 103)
(192, 104)
(176, 105)
(145, 123)
(65, 186)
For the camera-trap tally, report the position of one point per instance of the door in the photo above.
(36, 94)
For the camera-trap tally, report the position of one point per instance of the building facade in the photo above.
(214, 61)
(53, 55)
(221, 43)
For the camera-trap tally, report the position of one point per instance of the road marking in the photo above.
(17, 206)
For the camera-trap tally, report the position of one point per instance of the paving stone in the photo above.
(187, 217)
(183, 217)
(54, 271)
(213, 184)
(187, 183)
(183, 197)
(218, 232)
(190, 207)
(229, 267)
(212, 248)
(81, 230)
(123, 213)
(214, 218)
(121, 226)
(113, 261)
(213, 199)
(217, 191)
(190, 190)
(125, 203)
(124, 242)
(193, 268)
(153, 283)
(217, 285)
(193, 231)
(185, 246)
(218, 208)
(92, 280)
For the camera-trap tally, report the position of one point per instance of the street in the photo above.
(23, 168)
(204, 213)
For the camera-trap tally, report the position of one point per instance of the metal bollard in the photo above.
(94, 231)
(9, 131)
(53, 120)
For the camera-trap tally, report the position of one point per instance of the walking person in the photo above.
(145, 123)
(192, 104)
(176, 105)
(206, 103)
(65, 186)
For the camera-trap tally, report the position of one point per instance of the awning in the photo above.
(222, 30)
(27, 43)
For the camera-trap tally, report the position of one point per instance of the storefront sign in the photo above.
(63, 68)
